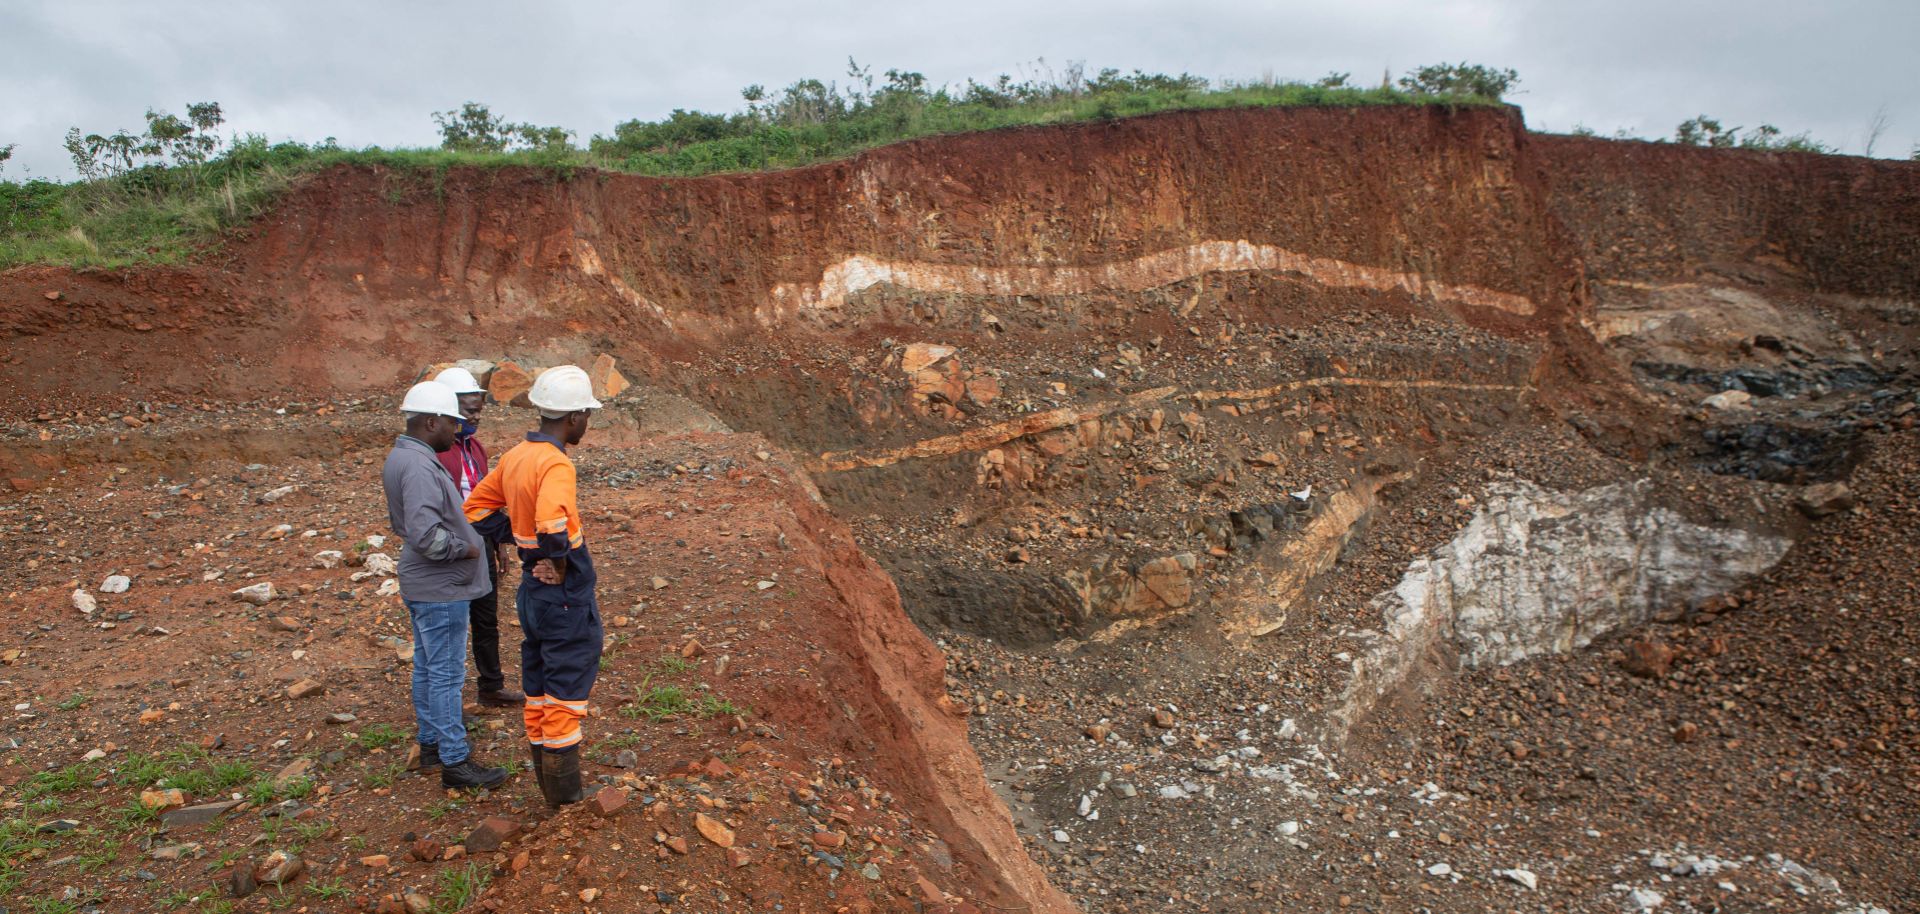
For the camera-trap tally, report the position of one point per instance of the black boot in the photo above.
(429, 758)
(560, 777)
(501, 698)
(471, 774)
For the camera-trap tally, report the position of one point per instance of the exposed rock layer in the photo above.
(1538, 571)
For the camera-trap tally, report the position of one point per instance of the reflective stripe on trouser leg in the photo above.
(562, 725)
(535, 717)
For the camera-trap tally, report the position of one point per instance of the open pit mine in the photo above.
(1381, 509)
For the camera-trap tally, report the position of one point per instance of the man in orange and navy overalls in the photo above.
(530, 497)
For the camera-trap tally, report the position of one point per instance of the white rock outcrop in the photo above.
(1537, 571)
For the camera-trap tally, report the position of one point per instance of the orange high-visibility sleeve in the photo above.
(487, 497)
(554, 508)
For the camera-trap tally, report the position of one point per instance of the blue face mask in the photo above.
(468, 428)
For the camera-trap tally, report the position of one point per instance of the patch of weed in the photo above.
(135, 815)
(715, 706)
(329, 891)
(672, 664)
(378, 736)
(459, 888)
(657, 703)
(60, 781)
(384, 777)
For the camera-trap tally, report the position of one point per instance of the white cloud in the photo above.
(371, 73)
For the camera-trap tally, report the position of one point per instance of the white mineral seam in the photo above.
(841, 280)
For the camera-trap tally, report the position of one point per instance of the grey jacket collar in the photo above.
(412, 442)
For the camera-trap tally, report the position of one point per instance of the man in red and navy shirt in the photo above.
(467, 462)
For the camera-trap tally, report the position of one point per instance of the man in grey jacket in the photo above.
(442, 569)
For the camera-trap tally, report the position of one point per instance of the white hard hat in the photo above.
(431, 398)
(563, 389)
(461, 380)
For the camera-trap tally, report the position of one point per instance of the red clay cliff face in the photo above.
(1436, 207)
(1446, 197)
(1655, 212)
(362, 274)
(890, 684)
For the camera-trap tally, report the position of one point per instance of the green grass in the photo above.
(776, 146)
(672, 664)
(226, 859)
(329, 891)
(98, 859)
(658, 703)
(262, 791)
(227, 775)
(165, 214)
(60, 781)
(76, 700)
(384, 777)
(378, 736)
(179, 899)
(51, 906)
(460, 888)
(18, 841)
(177, 767)
(135, 815)
(664, 702)
(715, 706)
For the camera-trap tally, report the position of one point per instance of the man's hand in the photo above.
(508, 552)
(546, 572)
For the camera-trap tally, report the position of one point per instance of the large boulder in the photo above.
(1824, 498)
(510, 383)
(607, 380)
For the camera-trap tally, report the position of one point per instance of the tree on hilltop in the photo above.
(1461, 80)
(475, 128)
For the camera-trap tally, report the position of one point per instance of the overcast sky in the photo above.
(371, 72)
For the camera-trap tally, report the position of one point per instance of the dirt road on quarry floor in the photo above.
(732, 775)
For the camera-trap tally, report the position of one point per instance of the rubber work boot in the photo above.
(539, 770)
(470, 774)
(560, 777)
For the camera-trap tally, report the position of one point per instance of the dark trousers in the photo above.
(484, 630)
(559, 660)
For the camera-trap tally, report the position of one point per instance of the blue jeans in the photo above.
(439, 671)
